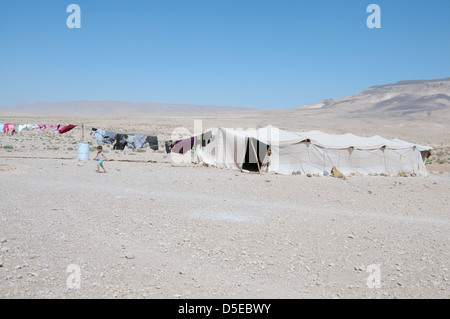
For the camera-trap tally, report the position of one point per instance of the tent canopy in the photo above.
(312, 152)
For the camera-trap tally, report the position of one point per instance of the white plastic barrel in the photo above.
(83, 151)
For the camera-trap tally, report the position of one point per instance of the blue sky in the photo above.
(267, 54)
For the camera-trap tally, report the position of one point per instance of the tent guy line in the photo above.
(340, 178)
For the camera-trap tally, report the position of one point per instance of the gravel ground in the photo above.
(159, 230)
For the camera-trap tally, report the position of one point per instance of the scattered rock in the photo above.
(361, 268)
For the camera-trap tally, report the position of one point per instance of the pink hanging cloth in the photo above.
(53, 128)
(9, 128)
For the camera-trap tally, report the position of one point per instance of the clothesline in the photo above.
(121, 140)
(9, 128)
(106, 137)
(134, 141)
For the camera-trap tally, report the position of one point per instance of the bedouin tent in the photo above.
(314, 153)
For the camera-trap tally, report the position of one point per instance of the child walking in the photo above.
(100, 157)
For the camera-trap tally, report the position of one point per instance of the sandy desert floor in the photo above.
(150, 228)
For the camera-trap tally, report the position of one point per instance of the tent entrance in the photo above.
(252, 160)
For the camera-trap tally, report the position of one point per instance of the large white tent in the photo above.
(312, 152)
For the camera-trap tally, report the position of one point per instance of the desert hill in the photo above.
(413, 99)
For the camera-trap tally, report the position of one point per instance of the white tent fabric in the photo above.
(349, 140)
(313, 152)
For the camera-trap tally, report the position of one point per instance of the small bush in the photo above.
(8, 147)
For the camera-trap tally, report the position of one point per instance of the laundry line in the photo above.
(12, 128)
(120, 140)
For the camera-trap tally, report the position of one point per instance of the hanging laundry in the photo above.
(153, 142)
(183, 146)
(168, 145)
(121, 141)
(20, 127)
(26, 127)
(98, 136)
(64, 129)
(103, 137)
(139, 141)
(9, 128)
(206, 138)
(53, 128)
(109, 137)
(29, 127)
(102, 132)
(39, 127)
(130, 142)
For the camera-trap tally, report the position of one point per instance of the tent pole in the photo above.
(257, 161)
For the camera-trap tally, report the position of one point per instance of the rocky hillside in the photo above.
(405, 98)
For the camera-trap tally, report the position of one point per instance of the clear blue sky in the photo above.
(266, 54)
